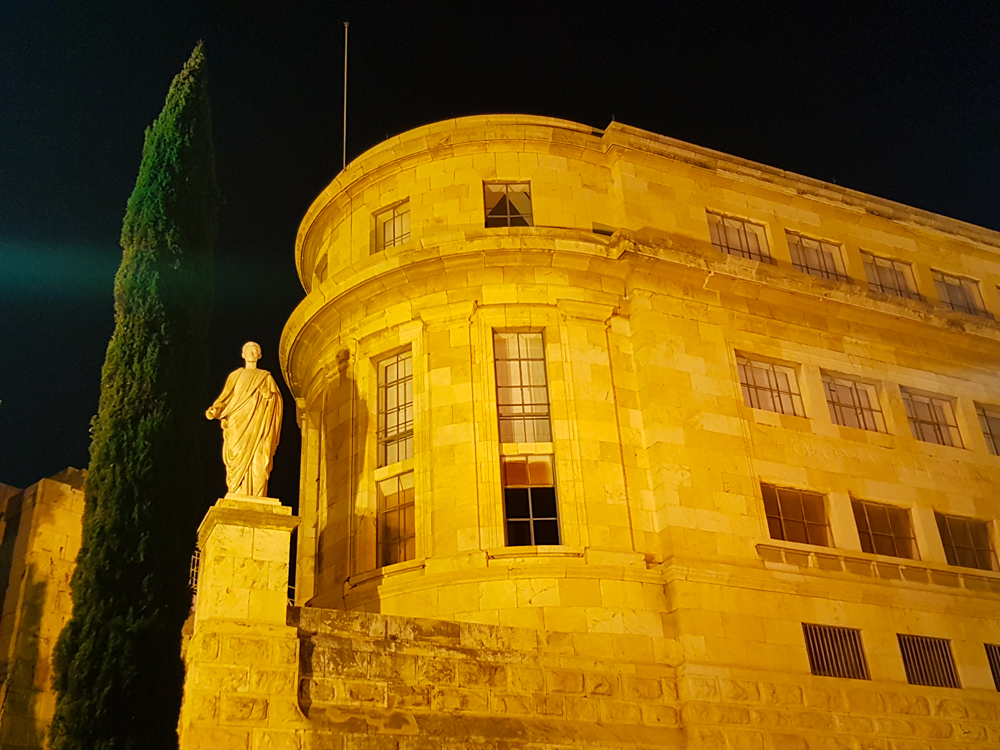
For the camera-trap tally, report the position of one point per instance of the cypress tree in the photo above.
(118, 670)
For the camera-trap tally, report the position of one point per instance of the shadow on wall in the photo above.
(26, 677)
(346, 543)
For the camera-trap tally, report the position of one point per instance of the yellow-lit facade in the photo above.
(691, 450)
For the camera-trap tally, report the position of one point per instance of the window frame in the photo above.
(800, 263)
(763, 253)
(944, 523)
(531, 519)
(934, 402)
(985, 412)
(900, 268)
(866, 509)
(767, 487)
(973, 304)
(382, 218)
(383, 437)
(542, 414)
(506, 184)
(408, 535)
(863, 414)
(751, 390)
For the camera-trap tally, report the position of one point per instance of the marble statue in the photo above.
(249, 408)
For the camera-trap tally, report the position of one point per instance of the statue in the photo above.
(249, 408)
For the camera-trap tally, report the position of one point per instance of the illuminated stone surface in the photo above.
(668, 615)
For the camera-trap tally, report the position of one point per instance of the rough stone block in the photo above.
(526, 679)
(433, 671)
(481, 674)
(454, 699)
(549, 705)
(510, 703)
(272, 739)
(199, 738)
(641, 688)
(245, 651)
(564, 681)
(243, 708)
(739, 691)
(658, 715)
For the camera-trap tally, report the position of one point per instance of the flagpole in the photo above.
(344, 166)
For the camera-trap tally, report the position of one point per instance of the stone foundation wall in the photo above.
(387, 682)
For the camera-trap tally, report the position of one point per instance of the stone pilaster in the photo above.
(240, 690)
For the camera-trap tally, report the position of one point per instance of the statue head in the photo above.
(251, 353)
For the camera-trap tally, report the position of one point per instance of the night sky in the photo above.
(897, 99)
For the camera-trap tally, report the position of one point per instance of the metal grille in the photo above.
(989, 420)
(395, 409)
(958, 293)
(853, 404)
(815, 257)
(194, 570)
(993, 657)
(890, 276)
(835, 652)
(769, 387)
(932, 418)
(928, 661)
(738, 237)
(508, 204)
(522, 390)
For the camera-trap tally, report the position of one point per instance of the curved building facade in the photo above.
(734, 429)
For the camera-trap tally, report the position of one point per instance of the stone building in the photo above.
(40, 528)
(614, 441)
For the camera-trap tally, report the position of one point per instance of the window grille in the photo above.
(890, 276)
(928, 661)
(853, 404)
(508, 204)
(522, 389)
(989, 420)
(529, 496)
(395, 539)
(769, 387)
(392, 226)
(966, 542)
(740, 238)
(795, 516)
(993, 657)
(816, 257)
(884, 529)
(395, 409)
(958, 293)
(932, 418)
(194, 570)
(835, 652)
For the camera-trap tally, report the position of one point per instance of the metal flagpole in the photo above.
(346, 24)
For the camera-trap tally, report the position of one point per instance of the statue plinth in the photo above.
(244, 543)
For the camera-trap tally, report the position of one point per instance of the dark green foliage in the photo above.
(118, 670)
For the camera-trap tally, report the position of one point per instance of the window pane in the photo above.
(795, 531)
(515, 472)
(516, 502)
(546, 532)
(540, 471)
(518, 533)
(791, 505)
(543, 502)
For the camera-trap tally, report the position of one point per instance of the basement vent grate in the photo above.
(835, 652)
(993, 656)
(928, 661)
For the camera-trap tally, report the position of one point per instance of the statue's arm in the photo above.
(222, 401)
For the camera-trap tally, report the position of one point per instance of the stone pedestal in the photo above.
(240, 689)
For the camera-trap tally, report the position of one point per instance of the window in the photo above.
(835, 652)
(959, 294)
(966, 542)
(392, 226)
(395, 538)
(522, 392)
(928, 661)
(853, 404)
(795, 516)
(993, 657)
(816, 257)
(508, 204)
(884, 530)
(395, 409)
(529, 500)
(740, 238)
(890, 276)
(769, 387)
(989, 419)
(932, 418)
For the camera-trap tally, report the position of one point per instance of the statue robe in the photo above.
(250, 410)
